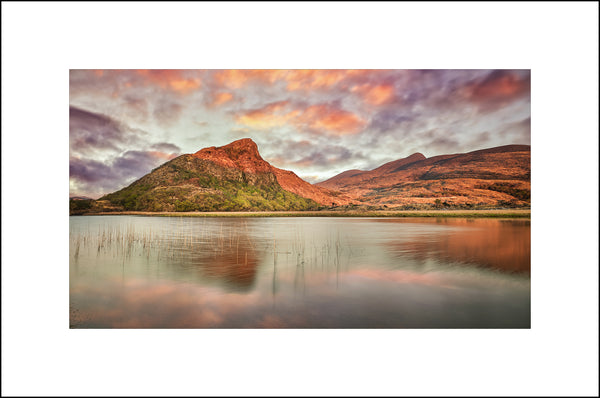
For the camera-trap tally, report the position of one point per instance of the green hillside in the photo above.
(187, 183)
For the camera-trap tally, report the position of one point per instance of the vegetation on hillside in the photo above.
(508, 188)
(190, 184)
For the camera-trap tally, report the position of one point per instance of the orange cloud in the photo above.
(221, 98)
(499, 85)
(313, 79)
(232, 78)
(162, 155)
(172, 79)
(269, 116)
(323, 118)
(295, 79)
(375, 95)
(333, 120)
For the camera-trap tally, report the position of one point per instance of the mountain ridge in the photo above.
(480, 177)
(236, 177)
(233, 177)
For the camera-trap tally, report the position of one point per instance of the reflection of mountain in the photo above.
(506, 247)
(236, 269)
(230, 262)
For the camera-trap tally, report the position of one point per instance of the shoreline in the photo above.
(497, 213)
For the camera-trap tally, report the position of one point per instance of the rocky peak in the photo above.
(241, 154)
(242, 148)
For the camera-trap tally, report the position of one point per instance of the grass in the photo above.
(417, 213)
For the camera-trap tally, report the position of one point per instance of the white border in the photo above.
(558, 41)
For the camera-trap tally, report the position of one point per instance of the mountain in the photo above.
(231, 177)
(499, 175)
(236, 177)
(243, 154)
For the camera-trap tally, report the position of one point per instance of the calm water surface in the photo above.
(196, 272)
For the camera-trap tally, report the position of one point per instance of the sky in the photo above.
(317, 123)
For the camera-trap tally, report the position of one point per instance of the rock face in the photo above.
(231, 177)
(482, 177)
(243, 155)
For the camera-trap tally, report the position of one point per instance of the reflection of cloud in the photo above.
(401, 276)
(506, 247)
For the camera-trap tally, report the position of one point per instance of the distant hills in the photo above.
(235, 177)
(494, 176)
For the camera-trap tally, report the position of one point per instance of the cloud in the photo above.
(271, 115)
(221, 98)
(332, 120)
(101, 158)
(166, 147)
(91, 132)
(94, 178)
(383, 114)
(325, 157)
(375, 94)
(389, 120)
(177, 80)
(321, 118)
(499, 88)
(315, 79)
(167, 111)
(309, 155)
(481, 140)
(89, 170)
(137, 105)
(293, 79)
(519, 131)
(443, 144)
(138, 163)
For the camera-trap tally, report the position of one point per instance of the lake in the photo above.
(298, 272)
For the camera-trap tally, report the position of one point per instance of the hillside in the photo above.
(491, 176)
(227, 178)
(235, 177)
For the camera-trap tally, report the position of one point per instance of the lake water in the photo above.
(298, 272)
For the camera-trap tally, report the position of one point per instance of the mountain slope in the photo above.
(236, 177)
(483, 177)
(231, 177)
(243, 155)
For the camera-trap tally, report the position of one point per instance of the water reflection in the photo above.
(499, 244)
(150, 272)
